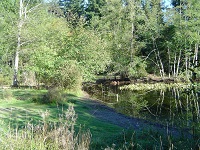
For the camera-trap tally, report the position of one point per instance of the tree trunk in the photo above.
(157, 56)
(186, 67)
(16, 62)
(161, 65)
(169, 63)
(178, 63)
(131, 46)
(174, 72)
(22, 17)
(195, 60)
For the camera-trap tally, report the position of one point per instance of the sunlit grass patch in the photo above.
(155, 86)
(21, 110)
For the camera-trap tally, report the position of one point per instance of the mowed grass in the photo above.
(17, 110)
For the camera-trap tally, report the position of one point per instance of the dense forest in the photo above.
(63, 43)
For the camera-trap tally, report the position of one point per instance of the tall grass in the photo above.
(54, 136)
(7, 94)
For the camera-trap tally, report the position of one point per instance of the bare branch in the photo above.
(149, 54)
(33, 8)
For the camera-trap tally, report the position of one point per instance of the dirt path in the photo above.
(107, 114)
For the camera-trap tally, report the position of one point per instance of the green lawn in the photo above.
(17, 109)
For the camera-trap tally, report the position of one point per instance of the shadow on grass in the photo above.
(21, 111)
(27, 94)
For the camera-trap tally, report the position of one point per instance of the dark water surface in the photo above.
(173, 107)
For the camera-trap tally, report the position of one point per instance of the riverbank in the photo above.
(117, 80)
(107, 127)
(107, 114)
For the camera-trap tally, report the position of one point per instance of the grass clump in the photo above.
(7, 94)
(56, 136)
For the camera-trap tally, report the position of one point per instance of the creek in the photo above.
(175, 107)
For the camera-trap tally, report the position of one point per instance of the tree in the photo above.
(23, 7)
(185, 19)
(93, 9)
(73, 10)
(7, 37)
(118, 25)
(152, 35)
(62, 55)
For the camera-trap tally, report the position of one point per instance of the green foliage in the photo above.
(72, 10)
(122, 34)
(89, 51)
(6, 71)
(93, 9)
(137, 69)
(70, 55)
(68, 75)
(5, 80)
(7, 39)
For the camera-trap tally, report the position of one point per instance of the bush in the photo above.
(54, 95)
(65, 74)
(69, 76)
(5, 80)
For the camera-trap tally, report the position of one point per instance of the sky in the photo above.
(167, 3)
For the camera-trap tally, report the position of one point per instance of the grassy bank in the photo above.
(17, 110)
(35, 125)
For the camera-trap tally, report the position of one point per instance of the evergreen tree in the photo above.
(73, 10)
(93, 8)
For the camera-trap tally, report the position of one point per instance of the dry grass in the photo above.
(54, 136)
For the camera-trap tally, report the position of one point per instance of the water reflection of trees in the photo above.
(131, 104)
(175, 107)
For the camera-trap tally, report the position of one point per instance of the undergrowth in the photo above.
(55, 136)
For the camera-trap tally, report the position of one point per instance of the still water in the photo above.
(174, 107)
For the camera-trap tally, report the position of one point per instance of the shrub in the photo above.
(69, 76)
(54, 95)
(65, 74)
(5, 80)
